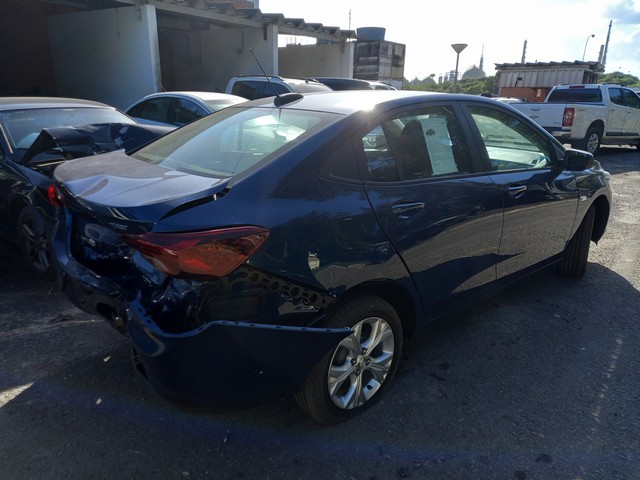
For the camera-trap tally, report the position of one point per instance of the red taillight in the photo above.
(213, 253)
(568, 116)
(54, 196)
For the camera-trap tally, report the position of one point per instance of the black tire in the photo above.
(591, 141)
(365, 376)
(574, 263)
(34, 236)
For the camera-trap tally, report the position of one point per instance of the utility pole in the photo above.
(606, 46)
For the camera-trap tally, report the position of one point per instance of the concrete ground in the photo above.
(540, 382)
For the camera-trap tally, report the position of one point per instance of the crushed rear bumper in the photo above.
(227, 364)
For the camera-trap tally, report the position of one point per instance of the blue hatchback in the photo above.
(292, 245)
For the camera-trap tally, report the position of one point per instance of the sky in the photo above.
(555, 30)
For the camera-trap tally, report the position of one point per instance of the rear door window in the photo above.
(186, 111)
(154, 109)
(631, 99)
(414, 145)
(615, 95)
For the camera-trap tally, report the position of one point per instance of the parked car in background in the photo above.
(179, 108)
(253, 87)
(292, 245)
(339, 83)
(507, 100)
(588, 115)
(376, 85)
(36, 135)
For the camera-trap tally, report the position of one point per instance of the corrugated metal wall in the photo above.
(540, 78)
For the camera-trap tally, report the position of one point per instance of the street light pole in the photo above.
(585, 45)
(457, 47)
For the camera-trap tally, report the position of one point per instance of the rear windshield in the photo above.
(22, 127)
(233, 140)
(576, 95)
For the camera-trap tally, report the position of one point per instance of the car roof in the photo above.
(377, 83)
(343, 82)
(351, 101)
(196, 95)
(15, 103)
(273, 78)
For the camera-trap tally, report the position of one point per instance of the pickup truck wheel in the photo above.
(574, 263)
(591, 141)
(354, 375)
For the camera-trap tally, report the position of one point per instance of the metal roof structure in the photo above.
(546, 74)
(222, 14)
(595, 66)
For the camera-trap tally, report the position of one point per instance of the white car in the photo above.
(253, 87)
(179, 108)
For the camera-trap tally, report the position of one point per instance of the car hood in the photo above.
(119, 187)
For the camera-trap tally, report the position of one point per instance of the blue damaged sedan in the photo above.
(292, 245)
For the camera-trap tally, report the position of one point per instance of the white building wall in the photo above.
(206, 60)
(225, 53)
(318, 60)
(106, 55)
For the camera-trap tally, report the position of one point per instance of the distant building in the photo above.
(532, 81)
(474, 72)
(378, 59)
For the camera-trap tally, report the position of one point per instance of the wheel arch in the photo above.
(601, 204)
(393, 293)
(18, 204)
(599, 124)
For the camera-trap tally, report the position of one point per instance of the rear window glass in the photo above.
(576, 95)
(232, 140)
(22, 127)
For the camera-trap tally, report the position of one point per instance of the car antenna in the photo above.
(280, 99)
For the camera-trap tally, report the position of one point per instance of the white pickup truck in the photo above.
(587, 116)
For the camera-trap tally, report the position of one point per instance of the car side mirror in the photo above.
(578, 160)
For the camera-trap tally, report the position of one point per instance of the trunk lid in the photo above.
(128, 194)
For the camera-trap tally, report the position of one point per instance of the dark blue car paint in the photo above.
(240, 357)
(257, 333)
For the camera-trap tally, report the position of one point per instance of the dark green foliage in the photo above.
(474, 86)
(620, 78)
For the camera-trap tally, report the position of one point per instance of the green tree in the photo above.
(474, 86)
(620, 78)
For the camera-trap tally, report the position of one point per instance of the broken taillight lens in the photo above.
(568, 116)
(54, 196)
(212, 253)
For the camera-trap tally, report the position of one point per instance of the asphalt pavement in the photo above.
(539, 382)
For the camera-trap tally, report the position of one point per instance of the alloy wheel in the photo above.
(361, 363)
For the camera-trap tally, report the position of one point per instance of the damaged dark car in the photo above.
(36, 135)
(293, 245)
